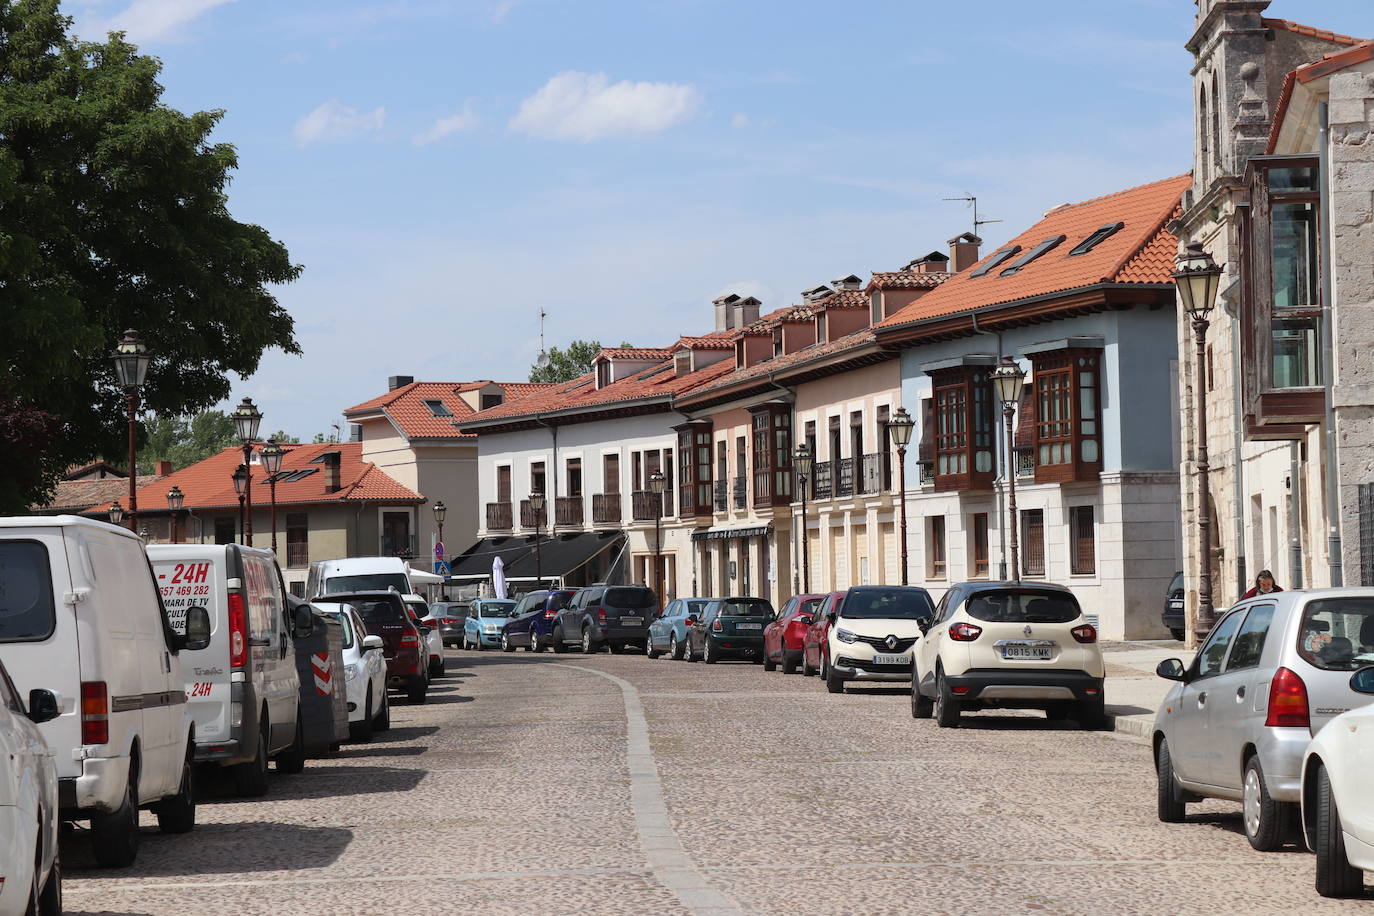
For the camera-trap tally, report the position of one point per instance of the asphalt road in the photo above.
(616, 784)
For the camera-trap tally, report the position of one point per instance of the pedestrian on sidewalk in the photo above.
(1264, 585)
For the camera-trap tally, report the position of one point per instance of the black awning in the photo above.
(561, 554)
(475, 562)
(721, 534)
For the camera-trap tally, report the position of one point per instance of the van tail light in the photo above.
(716, 626)
(238, 631)
(95, 713)
(410, 641)
(1085, 633)
(1287, 701)
(601, 615)
(964, 632)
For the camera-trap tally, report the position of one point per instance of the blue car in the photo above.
(531, 625)
(485, 618)
(668, 632)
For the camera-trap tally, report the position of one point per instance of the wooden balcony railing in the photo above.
(741, 492)
(568, 512)
(606, 509)
(498, 516)
(644, 505)
(528, 518)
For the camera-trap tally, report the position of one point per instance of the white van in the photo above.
(80, 615)
(358, 574)
(243, 690)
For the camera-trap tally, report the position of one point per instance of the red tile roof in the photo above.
(907, 279)
(1142, 251)
(1309, 31)
(778, 364)
(209, 484)
(80, 495)
(1329, 63)
(720, 340)
(636, 353)
(406, 407)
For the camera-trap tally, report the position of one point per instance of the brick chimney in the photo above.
(963, 252)
(399, 381)
(332, 482)
(162, 468)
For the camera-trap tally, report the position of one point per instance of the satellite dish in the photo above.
(542, 360)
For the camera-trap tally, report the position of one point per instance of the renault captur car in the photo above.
(1012, 645)
(872, 630)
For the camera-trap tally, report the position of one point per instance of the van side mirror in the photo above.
(1171, 669)
(44, 705)
(303, 621)
(372, 642)
(197, 629)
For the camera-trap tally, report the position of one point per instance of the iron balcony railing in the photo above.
(722, 495)
(1025, 463)
(821, 479)
(741, 492)
(498, 516)
(398, 545)
(606, 508)
(297, 554)
(874, 476)
(844, 477)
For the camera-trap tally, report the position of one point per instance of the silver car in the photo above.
(1272, 672)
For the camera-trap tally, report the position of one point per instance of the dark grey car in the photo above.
(451, 616)
(613, 616)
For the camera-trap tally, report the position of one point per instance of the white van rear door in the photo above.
(201, 581)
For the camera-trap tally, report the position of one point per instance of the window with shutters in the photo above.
(537, 482)
(610, 482)
(503, 483)
(694, 468)
(1082, 541)
(978, 543)
(1067, 415)
(964, 428)
(1032, 542)
(935, 547)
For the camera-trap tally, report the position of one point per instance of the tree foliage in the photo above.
(114, 215)
(566, 365)
(186, 440)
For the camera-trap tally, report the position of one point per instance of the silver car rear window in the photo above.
(1337, 634)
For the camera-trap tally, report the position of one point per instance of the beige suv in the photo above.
(1008, 645)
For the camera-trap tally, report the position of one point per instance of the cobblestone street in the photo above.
(512, 791)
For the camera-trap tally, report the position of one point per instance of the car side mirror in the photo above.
(1362, 681)
(924, 623)
(372, 642)
(44, 705)
(197, 629)
(1171, 669)
(805, 619)
(303, 622)
(831, 615)
(426, 628)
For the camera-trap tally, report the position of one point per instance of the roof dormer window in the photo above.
(1097, 238)
(437, 407)
(1048, 244)
(997, 259)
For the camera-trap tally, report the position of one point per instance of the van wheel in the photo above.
(384, 717)
(946, 706)
(250, 777)
(362, 731)
(49, 902)
(177, 813)
(292, 760)
(114, 836)
(1171, 810)
(417, 692)
(1265, 819)
(1335, 876)
(559, 646)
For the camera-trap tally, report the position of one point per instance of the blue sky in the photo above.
(445, 169)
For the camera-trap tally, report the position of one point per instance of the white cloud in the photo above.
(739, 120)
(588, 106)
(502, 9)
(334, 120)
(154, 20)
(463, 120)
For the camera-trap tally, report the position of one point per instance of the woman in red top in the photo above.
(1264, 584)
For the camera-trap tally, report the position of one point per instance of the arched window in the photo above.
(1218, 150)
(1204, 130)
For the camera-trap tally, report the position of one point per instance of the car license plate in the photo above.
(1175, 605)
(631, 621)
(748, 626)
(892, 659)
(1037, 652)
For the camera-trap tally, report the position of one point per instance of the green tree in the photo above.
(321, 438)
(285, 438)
(114, 215)
(186, 440)
(566, 365)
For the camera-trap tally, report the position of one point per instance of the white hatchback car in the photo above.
(1337, 808)
(29, 872)
(364, 661)
(1011, 645)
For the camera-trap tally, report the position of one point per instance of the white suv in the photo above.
(1009, 645)
(871, 634)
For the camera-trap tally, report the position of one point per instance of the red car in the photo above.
(783, 638)
(815, 642)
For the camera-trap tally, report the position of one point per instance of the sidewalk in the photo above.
(1133, 689)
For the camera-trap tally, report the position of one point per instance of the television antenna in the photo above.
(970, 199)
(542, 360)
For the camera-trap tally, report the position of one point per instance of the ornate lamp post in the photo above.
(240, 486)
(131, 357)
(175, 499)
(440, 510)
(1198, 277)
(537, 507)
(657, 483)
(900, 427)
(246, 420)
(1007, 379)
(802, 460)
(271, 455)
(116, 513)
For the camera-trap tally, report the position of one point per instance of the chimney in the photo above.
(399, 381)
(816, 292)
(933, 263)
(746, 311)
(355, 432)
(849, 282)
(963, 252)
(162, 468)
(725, 312)
(332, 483)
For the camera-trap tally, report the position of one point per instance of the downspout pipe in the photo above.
(1003, 462)
(1238, 443)
(1332, 456)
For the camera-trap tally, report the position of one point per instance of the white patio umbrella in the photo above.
(498, 577)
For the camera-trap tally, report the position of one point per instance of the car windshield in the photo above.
(373, 582)
(1022, 606)
(376, 610)
(746, 607)
(629, 597)
(887, 603)
(1176, 586)
(1337, 634)
(495, 609)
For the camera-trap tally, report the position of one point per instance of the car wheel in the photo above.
(177, 813)
(362, 731)
(946, 706)
(559, 646)
(1058, 712)
(250, 777)
(768, 663)
(437, 668)
(617, 648)
(534, 645)
(589, 647)
(1335, 875)
(922, 707)
(384, 717)
(417, 692)
(807, 670)
(674, 648)
(789, 662)
(1171, 809)
(292, 760)
(49, 901)
(834, 683)
(1177, 634)
(708, 656)
(1092, 713)
(477, 644)
(505, 642)
(1266, 820)
(650, 651)
(114, 836)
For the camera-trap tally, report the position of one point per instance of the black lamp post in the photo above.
(1007, 380)
(116, 513)
(175, 499)
(802, 460)
(271, 455)
(1198, 278)
(131, 358)
(240, 486)
(440, 510)
(537, 507)
(657, 483)
(900, 427)
(246, 420)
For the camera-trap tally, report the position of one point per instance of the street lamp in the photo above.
(440, 510)
(801, 460)
(271, 455)
(1198, 277)
(131, 357)
(537, 507)
(900, 427)
(240, 486)
(116, 513)
(657, 483)
(175, 498)
(246, 420)
(1007, 380)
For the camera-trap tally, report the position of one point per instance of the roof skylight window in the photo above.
(293, 476)
(437, 408)
(1097, 238)
(1048, 244)
(996, 260)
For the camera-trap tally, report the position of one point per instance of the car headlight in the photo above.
(845, 636)
(350, 670)
(493, 628)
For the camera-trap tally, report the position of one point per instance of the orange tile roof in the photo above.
(209, 484)
(406, 407)
(79, 495)
(1297, 29)
(777, 364)
(720, 340)
(636, 353)
(1142, 251)
(907, 279)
